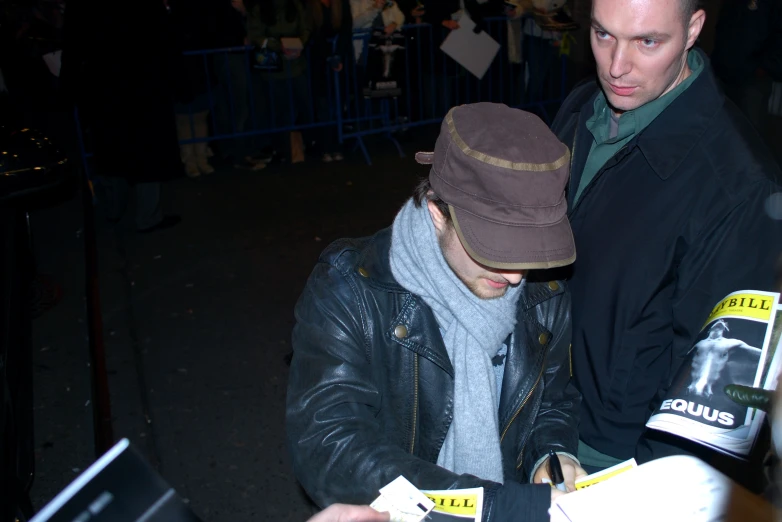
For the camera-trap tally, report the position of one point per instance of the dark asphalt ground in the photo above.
(197, 323)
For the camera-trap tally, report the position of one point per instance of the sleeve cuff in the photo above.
(542, 459)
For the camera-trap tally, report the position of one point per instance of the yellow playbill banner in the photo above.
(755, 305)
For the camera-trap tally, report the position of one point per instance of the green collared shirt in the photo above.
(606, 143)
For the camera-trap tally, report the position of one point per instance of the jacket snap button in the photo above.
(553, 285)
(400, 331)
(363, 272)
(543, 338)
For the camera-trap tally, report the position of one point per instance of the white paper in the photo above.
(670, 489)
(474, 52)
(606, 474)
(403, 501)
(53, 62)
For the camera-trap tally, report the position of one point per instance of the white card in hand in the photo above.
(403, 501)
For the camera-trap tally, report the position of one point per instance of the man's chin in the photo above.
(488, 294)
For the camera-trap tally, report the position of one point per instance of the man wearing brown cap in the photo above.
(431, 350)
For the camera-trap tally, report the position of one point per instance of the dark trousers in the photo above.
(543, 67)
(287, 102)
(114, 195)
(233, 112)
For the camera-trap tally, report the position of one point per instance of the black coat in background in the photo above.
(119, 68)
(748, 39)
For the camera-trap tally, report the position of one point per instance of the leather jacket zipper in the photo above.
(415, 402)
(521, 406)
(520, 460)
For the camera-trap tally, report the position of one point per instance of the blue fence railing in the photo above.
(433, 83)
(245, 108)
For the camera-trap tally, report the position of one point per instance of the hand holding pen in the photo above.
(555, 472)
(568, 469)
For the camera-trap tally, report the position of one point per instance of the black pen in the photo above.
(555, 471)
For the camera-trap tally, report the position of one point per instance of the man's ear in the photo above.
(438, 219)
(697, 21)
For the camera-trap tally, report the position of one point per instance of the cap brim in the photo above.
(514, 247)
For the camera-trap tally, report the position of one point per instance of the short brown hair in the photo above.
(689, 7)
(423, 192)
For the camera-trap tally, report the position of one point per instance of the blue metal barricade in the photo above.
(433, 82)
(248, 101)
(249, 108)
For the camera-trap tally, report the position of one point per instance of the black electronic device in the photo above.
(121, 486)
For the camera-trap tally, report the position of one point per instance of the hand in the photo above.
(338, 68)
(451, 24)
(570, 470)
(418, 12)
(291, 54)
(348, 513)
(390, 28)
(757, 398)
(239, 6)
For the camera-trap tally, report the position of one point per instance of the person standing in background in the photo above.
(238, 96)
(287, 96)
(377, 13)
(331, 19)
(368, 14)
(193, 23)
(123, 82)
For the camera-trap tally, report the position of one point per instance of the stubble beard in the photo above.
(474, 286)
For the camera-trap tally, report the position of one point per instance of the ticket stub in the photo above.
(403, 501)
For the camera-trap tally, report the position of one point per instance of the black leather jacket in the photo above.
(370, 393)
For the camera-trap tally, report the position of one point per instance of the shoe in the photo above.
(338, 156)
(250, 164)
(327, 158)
(167, 222)
(192, 170)
(204, 167)
(276, 159)
(266, 155)
(200, 151)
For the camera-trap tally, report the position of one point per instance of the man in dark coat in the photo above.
(668, 200)
(119, 68)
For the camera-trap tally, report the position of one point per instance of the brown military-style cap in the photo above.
(503, 174)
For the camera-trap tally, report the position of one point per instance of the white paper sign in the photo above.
(53, 62)
(474, 52)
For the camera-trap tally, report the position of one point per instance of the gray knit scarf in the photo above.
(473, 329)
